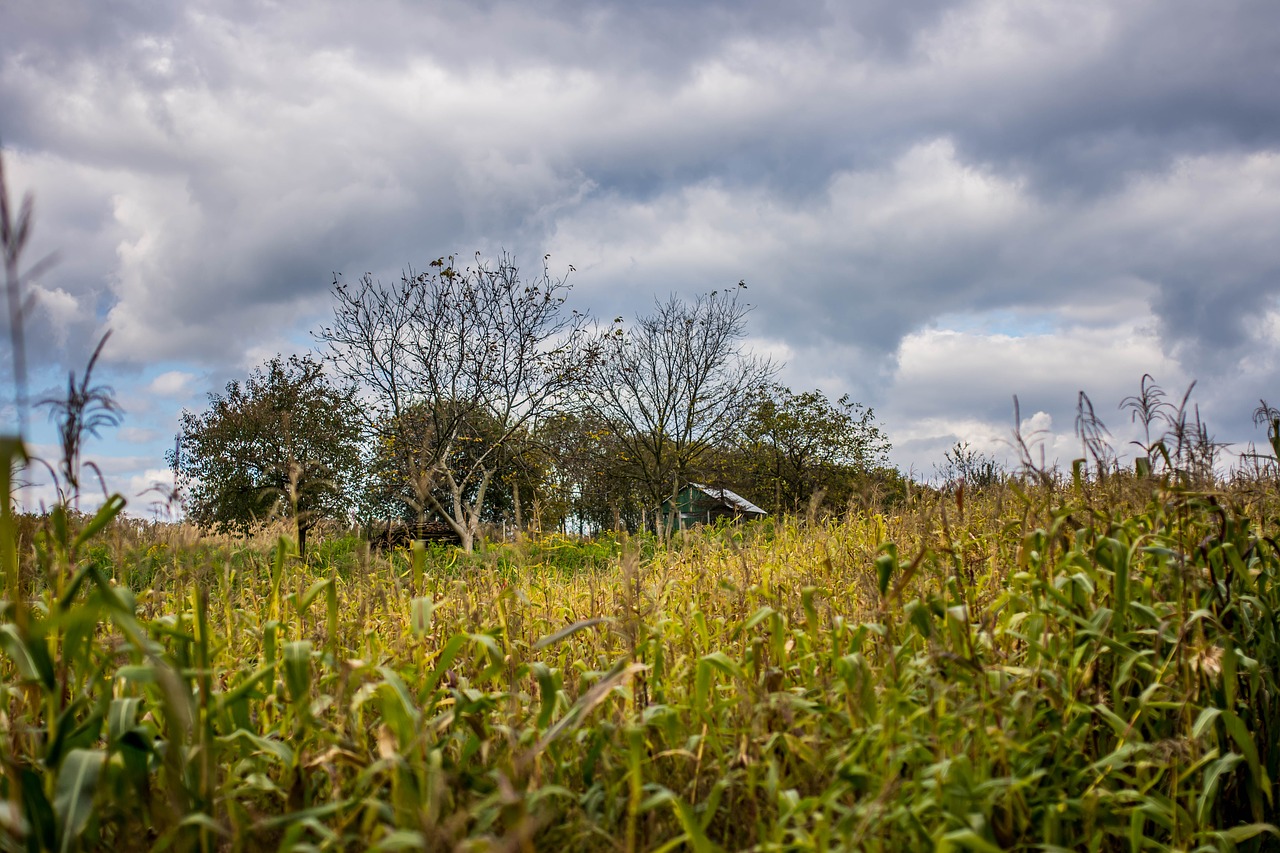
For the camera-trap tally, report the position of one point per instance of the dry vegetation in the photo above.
(1057, 666)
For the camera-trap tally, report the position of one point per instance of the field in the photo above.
(1081, 665)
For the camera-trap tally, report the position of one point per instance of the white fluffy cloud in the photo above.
(171, 383)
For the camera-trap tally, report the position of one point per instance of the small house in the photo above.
(699, 504)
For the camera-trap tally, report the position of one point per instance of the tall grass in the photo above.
(1090, 666)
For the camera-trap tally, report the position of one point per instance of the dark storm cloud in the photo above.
(1161, 80)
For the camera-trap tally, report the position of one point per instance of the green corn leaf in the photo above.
(30, 655)
(297, 669)
(919, 616)
(310, 595)
(73, 587)
(418, 557)
(694, 833)
(270, 633)
(702, 686)
(399, 711)
(1238, 834)
(74, 792)
(331, 611)
(400, 839)
(204, 821)
(547, 693)
(885, 564)
(122, 715)
(620, 673)
(58, 521)
(42, 823)
(1239, 733)
(759, 616)
(445, 659)
(967, 839)
(489, 644)
(242, 690)
(301, 816)
(568, 631)
(137, 673)
(723, 663)
(810, 611)
(1204, 722)
(277, 576)
(72, 732)
(279, 750)
(1209, 791)
(12, 455)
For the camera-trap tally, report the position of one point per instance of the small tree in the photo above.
(964, 464)
(797, 445)
(285, 442)
(585, 464)
(398, 488)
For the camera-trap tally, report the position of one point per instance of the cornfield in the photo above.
(1059, 666)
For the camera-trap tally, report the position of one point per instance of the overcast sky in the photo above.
(935, 205)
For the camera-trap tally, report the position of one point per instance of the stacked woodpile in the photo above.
(399, 534)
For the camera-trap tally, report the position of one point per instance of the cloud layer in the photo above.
(935, 205)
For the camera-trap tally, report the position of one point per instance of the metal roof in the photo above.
(732, 498)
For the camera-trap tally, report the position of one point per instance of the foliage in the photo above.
(798, 447)
(585, 460)
(966, 464)
(1031, 665)
(519, 489)
(285, 442)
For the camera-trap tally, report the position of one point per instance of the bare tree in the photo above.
(470, 358)
(676, 384)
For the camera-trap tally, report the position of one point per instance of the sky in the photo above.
(935, 205)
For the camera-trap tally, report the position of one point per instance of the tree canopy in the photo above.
(795, 446)
(285, 442)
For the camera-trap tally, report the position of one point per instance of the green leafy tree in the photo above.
(795, 446)
(584, 473)
(286, 442)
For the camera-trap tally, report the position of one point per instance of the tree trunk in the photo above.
(515, 499)
(302, 527)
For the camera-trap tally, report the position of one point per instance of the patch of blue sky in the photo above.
(1007, 322)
